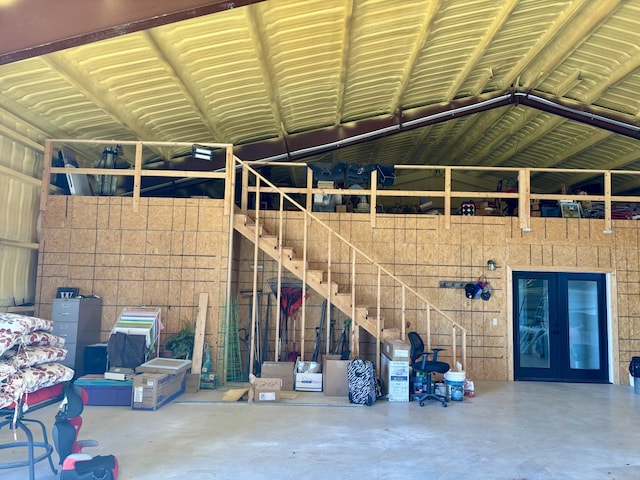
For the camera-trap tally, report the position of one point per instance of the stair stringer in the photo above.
(315, 279)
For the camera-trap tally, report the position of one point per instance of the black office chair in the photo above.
(420, 362)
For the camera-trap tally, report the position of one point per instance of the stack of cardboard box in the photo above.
(394, 366)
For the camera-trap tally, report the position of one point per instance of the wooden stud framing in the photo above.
(524, 200)
(373, 200)
(607, 202)
(46, 175)
(137, 178)
(447, 198)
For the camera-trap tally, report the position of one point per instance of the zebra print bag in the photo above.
(361, 375)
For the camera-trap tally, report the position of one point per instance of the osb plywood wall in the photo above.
(163, 255)
(172, 249)
(420, 250)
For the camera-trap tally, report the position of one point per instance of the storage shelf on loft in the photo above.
(141, 321)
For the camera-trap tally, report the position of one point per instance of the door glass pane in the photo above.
(533, 322)
(584, 341)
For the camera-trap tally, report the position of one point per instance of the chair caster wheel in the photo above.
(422, 404)
(444, 404)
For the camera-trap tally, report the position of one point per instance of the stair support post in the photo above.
(254, 293)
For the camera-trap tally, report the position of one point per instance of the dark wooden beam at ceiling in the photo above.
(306, 144)
(29, 28)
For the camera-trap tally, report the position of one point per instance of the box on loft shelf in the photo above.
(569, 209)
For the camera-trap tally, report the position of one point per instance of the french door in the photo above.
(560, 327)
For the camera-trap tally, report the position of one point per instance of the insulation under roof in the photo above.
(360, 81)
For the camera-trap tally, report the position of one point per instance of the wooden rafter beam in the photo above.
(480, 49)
(261, 45)
(585, 16)
(344, 65)
(100, 97)
(188, 89)
(542, 45)
(418, 47)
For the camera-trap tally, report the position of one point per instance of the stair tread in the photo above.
(364, 316)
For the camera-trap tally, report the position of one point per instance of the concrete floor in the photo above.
(510, 431)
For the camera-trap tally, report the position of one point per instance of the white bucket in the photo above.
(455, 382)
(455, 376)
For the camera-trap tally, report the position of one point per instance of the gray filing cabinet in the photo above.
(77, 320)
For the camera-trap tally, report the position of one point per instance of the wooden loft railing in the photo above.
(266, 230)
(161, 149)
(524, 195)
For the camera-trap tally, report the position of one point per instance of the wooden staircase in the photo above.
(339, 296)
(367, 279)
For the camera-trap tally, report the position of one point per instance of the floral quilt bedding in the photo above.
(30, 357)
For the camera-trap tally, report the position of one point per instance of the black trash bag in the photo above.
(126, 351)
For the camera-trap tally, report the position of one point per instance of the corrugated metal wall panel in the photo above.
(20, 208)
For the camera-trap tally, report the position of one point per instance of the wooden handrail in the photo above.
(275, 189)
(524, 194)
(355, 252)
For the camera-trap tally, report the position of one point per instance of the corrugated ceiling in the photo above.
(282, 75)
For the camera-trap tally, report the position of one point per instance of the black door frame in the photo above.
(559, 344)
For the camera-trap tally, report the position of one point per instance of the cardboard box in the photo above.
(104, 392)
(281, 370)
(396, 349)
(398, 381)
(153, 390)
(395, 379)
(265, 390)
(334, 373)
(309, 382)
(191, 382)
(306, 381)
(164, 365)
